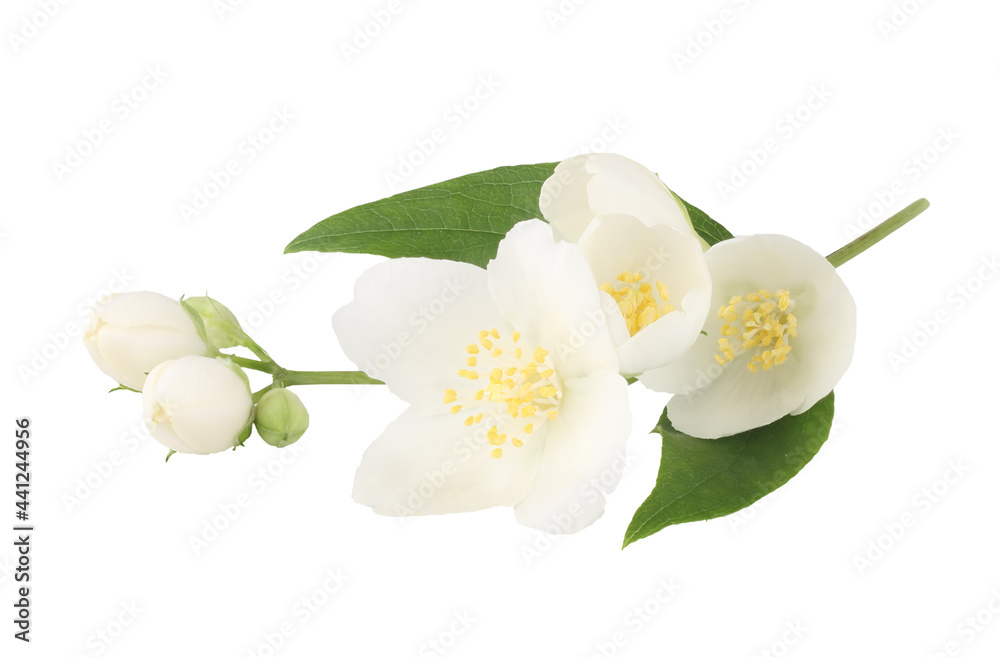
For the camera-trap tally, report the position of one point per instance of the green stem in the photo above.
(284, 378)
(260, 393)
(878, 233)
(271, 368)
(257, 350)
(298, 378)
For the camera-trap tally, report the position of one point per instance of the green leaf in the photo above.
(710, 230)
(703, 479)
(462, 219)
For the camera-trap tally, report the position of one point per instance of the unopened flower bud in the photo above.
(221, 326)
(281, 417)
(197, 405)
(131, 333)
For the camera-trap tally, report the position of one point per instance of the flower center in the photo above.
(637, 300)
(160, 413)
(763, 322)
(522, 385)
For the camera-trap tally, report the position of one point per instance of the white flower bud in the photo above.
(197, 405)
(129, 334)
(281, 417)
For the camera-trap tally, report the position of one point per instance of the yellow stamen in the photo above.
(763, 323)
(525, 386)
(636, 300)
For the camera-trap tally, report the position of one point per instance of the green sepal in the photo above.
(222, 328)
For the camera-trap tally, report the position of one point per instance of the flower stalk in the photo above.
(878, 233)
(284, 378)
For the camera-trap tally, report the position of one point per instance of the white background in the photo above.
(600, 75)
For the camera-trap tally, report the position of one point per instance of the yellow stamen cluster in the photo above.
(762, 321)
(522, 385)
(637, 301)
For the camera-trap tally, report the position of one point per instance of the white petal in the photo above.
(827, 330)
(617, 327)
(546, 291)
(127, 353)
(410, 321)
(693, 370)
(162, 432)
(717, 401)
(739, 400)
(586, 186)
(618, 243)
(131, 333)
(432, 464)
(824, 307)
(134, 309)
(584, 456)
(207, 401)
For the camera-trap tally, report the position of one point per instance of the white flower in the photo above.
(642, 251)
(512, 379)
(131, 333)
(781, 339)
(197, 405)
